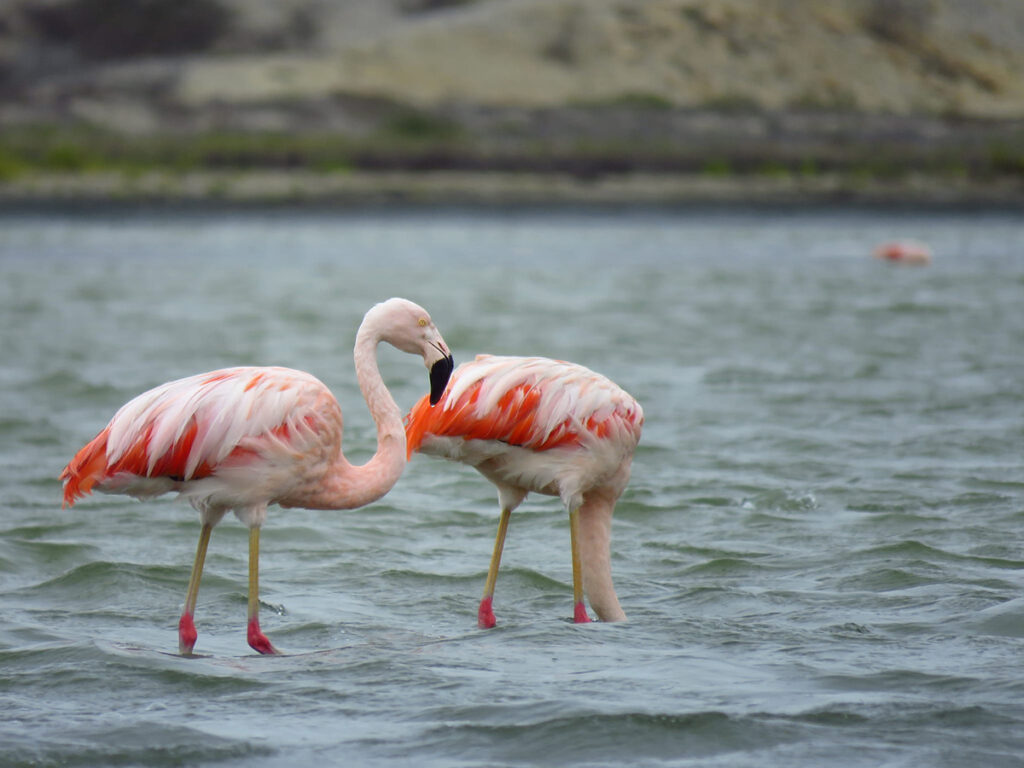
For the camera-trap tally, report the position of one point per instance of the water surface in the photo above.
(820, 552)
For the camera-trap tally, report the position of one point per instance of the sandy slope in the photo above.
(892, 56)
(899, 56)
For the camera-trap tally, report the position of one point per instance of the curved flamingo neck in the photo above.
(381, 472)
(349, 486)
(382, 405)
(595, 554)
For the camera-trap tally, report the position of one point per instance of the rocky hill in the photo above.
(649, 85)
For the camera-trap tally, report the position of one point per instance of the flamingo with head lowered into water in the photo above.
(240, 439)
(556, 428)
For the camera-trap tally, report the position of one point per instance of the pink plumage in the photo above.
(241, 439)
(236, 425)
(534, 424)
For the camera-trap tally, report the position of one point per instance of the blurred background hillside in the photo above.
(514, 99)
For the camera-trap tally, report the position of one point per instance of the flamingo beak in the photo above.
(440, 372)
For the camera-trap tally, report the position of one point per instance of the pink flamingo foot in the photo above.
(187, 634)
(485, 616)
(579, 614)
(257, 640)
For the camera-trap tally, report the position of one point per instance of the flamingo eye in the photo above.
(423, 322)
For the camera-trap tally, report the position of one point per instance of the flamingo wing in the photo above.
(184, 430)
(534, 403)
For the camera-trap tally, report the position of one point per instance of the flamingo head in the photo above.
(408, 327)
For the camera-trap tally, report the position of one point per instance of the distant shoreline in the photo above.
(618, 155)
(353, 189)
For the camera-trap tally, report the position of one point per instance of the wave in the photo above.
(148, 742)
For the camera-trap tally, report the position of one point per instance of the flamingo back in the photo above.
(534, 403)
(188, 429)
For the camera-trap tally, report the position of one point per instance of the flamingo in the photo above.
(241, 439)
(904, 252)
(547, 426)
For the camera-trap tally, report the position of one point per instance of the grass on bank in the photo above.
(414, 141)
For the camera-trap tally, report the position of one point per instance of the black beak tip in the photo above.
(440, 372)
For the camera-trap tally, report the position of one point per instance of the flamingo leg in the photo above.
(257, 640)
(485, 615)
(186, 626)
(579, 613)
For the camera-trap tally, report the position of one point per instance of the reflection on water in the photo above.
(820, 550)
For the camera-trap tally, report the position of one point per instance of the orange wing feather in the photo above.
(82, 472)
(512, 422)
(90, 465)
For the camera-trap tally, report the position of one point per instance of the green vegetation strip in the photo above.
(413, 142)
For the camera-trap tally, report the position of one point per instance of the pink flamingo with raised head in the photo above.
(240, 439)
(533, 424)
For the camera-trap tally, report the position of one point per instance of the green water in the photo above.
(821, 551)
